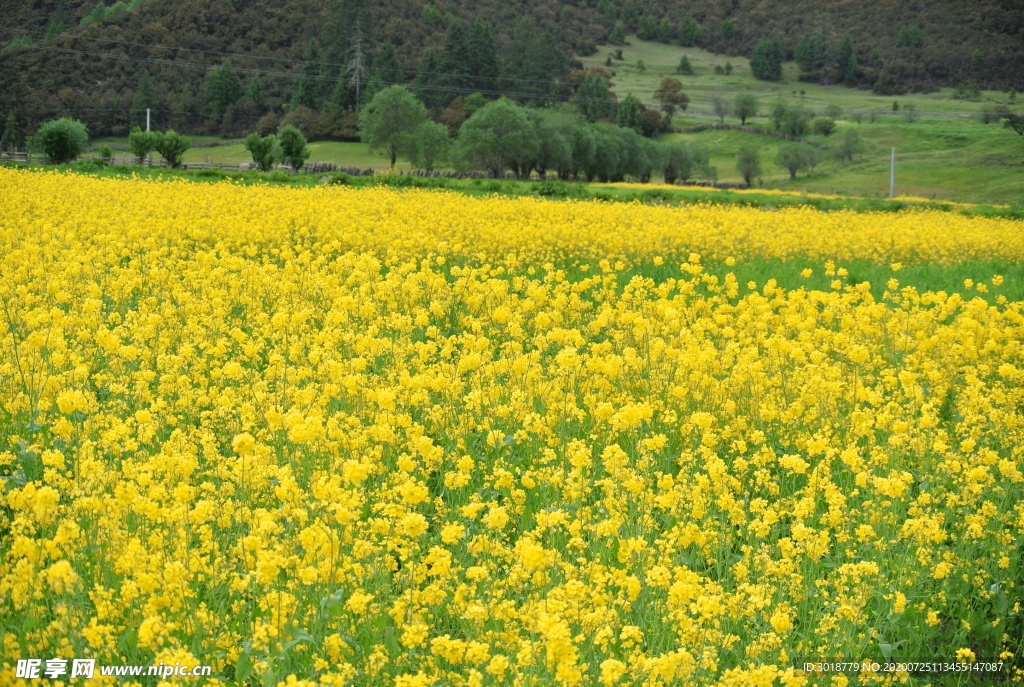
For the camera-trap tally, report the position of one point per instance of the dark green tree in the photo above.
(12, 138)
(386, 67)
(311, 87)
(666, 31)
(62, 140)
(265, 150)
(607, 10)
(797, 121)
(908, 37)
(294, 151)
(795, 157)
(533, 59)
(628, 115)
(745, 106)
(581, 152)
(388, 123)
(456, 76)
(812, 56)
(96, 16)
(431, 146)
(823, 126)
(766, 62)
(689, 32)
(254, 92)
(483, 57)
(499, 137)
(594, 99)
(851, 71)
(720, 106)
(145, 97)
(172, 146)
(1015, 122)
(428, 80)
(840, 57)
(551, 130)
(142, 143)
(778, 114)
(58, 20)
(630, 14)
(618, 35)
(684, 67)
(386, 71)
(748, 163)
(728, 30)
(647, 29)
(684, 161)
(849, 145)
(223, 89)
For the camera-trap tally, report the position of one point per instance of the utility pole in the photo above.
(892, 174)
(147, 119)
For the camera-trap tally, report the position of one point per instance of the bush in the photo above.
(823, 126)
(172, 146)
(277, 176)
(796, 121)
(265, 150)
(106, 153)
(294, 150)
(142, 143)
(748, 163)
(833, 111)
(62, 140)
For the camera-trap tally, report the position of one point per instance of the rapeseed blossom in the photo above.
(335, 436)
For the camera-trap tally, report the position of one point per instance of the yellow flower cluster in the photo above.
(781, 192)
(336, 436)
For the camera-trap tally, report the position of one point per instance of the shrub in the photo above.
(265, 150)
(294, 150)
(823, 126)
(62, 140)
(172, 146)
(748, 163)
(106, 153)
(142, 143)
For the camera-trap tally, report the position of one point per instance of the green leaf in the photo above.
(243, 668)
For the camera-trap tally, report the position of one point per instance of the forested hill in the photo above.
(103, 62)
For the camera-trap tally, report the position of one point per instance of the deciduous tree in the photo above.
(388, 123)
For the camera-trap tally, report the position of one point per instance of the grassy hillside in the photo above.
(948, 155)
(57, 58)
(661, 60)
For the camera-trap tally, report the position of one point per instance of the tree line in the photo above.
(502, 137)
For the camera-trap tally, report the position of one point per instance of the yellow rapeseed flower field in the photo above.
(371, 437)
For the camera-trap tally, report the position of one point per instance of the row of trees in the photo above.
(503, 137)
(169, 144)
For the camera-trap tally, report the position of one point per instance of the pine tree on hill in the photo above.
(311, 88)
(483, 57)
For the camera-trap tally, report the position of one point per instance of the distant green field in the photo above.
(345, 154)
(947, 159)
(950, 155)
(339, 153)
(660, 60)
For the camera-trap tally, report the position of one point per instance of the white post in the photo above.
(892, 174)
(147, 119)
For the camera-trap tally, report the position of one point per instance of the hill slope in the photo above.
(74, 57)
